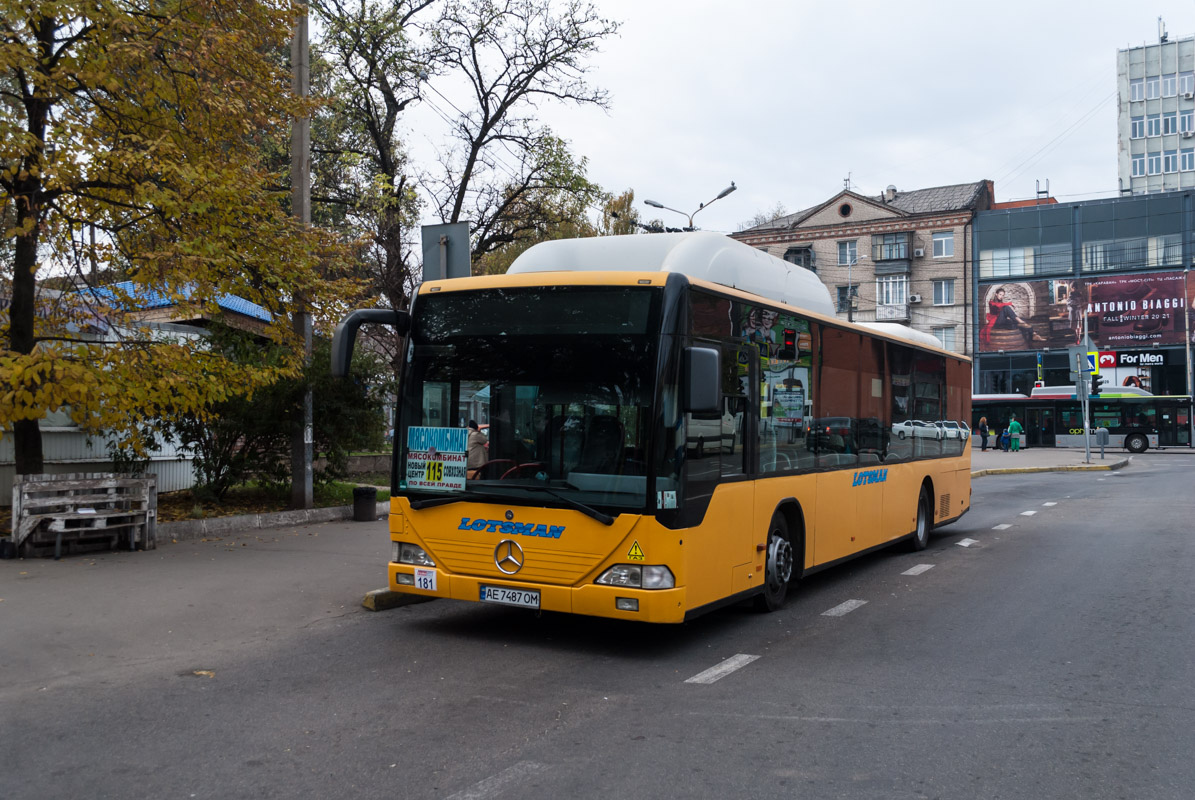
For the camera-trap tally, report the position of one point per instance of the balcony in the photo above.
(898, 312)
(890, 251)
(891, 254)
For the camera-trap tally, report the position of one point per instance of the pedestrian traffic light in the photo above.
(1096, 382)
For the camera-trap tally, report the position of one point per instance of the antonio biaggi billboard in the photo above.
(1122, 311)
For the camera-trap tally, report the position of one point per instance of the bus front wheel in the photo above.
(778, 567)
(1136, 443)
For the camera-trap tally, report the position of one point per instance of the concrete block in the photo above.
(384, 599)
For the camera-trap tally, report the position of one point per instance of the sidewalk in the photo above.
(1043, 459)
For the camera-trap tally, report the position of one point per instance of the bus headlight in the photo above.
(407, 553)
(635, 576)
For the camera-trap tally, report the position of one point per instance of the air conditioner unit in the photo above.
(1188, 134)
(918, 253)
(914, 298)
(1189, 95)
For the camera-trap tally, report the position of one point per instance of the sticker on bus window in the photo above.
(436, 458)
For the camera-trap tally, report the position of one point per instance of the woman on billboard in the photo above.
(1003, 316)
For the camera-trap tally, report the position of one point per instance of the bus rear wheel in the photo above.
(778, 566)
(924, 522)
(1136, 443)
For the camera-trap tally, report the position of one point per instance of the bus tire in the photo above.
(1136, 443)
(925, 523)
(778, 565)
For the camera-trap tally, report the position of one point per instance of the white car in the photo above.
(917, 428)
(953, 430)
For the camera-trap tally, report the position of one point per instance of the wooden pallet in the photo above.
(54, 514)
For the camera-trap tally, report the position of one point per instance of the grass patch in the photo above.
(252, 499)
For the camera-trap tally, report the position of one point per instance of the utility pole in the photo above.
(1085, 387)
(301, 495)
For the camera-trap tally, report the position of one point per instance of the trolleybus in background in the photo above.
(1053, 417)
(593, 361)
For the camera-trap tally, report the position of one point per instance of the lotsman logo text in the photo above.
(511, 528)
(870, 476)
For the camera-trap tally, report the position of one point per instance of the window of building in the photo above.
(945, 336)
(1186, 159)
(1170, 85)
(1153, 163)
(892, 290)
(1153, 87)
(1186, 82)
(1137, 89)
(847, 253)
(890, 246)
(1139, 165)
(842, 297)
(1170, 161)
(1153, 125)
(1138, 128)
(1169, 123)
(1186, 121)
(944, 244)
(801, 256)
(944, 292)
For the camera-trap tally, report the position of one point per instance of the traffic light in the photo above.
(788, 350)
(1096, 382)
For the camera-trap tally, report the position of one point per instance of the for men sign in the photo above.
(1141, 358)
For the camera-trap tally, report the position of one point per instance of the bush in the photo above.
(249, 438)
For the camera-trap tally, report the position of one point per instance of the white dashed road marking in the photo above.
(1028, 513)
(722, 670)
(1003, 526)
(967, 542)
(496, 784)
(1049, 504)
(917, 570)
(844, 608)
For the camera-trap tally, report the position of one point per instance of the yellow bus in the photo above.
(588, 364)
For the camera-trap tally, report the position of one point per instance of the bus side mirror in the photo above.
(703, 378)
(346, 333)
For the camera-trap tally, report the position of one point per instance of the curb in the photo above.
(224, 526)
(1120, 464)
(384, 600)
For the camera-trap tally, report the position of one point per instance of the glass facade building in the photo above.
(1118, 266)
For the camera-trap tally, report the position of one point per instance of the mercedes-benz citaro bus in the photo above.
(588, 360)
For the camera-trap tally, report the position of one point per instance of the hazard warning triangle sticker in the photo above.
(636, 552)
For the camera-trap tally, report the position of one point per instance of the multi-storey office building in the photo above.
(1118, 265)
(1156, 116)
(901, 257)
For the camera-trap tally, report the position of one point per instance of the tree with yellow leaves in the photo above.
(131, 136)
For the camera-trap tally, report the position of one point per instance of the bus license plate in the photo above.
(523, 598)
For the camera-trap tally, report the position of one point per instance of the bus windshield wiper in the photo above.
(605, 519)
(458, 497)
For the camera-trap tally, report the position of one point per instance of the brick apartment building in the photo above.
(901, 257)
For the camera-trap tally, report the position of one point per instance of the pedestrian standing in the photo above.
(1004, 439)
(1014, 433)
(983, 434)
(477, 453)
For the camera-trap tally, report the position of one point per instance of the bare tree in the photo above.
(514, 55)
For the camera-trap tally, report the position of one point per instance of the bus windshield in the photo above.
(559, 381)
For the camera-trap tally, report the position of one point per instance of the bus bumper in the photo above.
(655, 605)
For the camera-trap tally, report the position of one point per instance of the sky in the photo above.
(790, 99)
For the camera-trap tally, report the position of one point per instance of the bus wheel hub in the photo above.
(780, 562)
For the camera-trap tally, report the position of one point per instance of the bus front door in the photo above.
(1039, 430)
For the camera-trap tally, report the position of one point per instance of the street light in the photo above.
(721, 194)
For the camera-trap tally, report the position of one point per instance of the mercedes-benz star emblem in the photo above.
(508, 556)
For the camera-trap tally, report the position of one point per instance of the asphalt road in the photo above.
(1054, 657)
